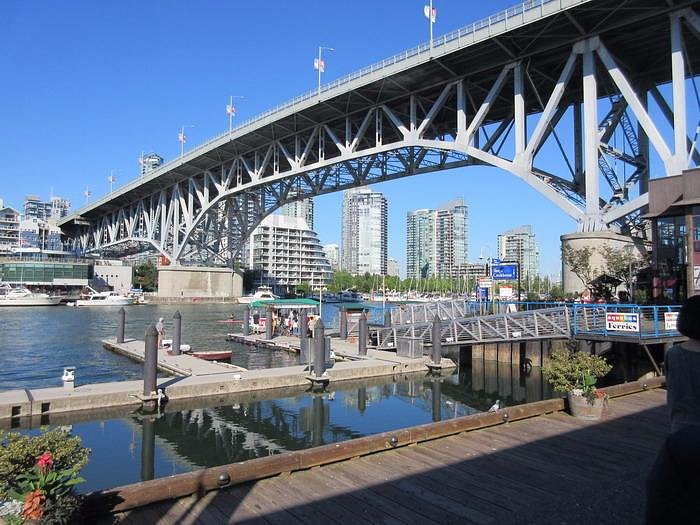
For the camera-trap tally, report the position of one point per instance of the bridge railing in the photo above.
(510, 18)
(625, 320)
(536, 324)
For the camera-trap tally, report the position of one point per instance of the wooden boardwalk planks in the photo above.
(501, 474)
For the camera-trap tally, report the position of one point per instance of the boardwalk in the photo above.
(547, 469)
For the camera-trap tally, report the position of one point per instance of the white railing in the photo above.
(464, 36)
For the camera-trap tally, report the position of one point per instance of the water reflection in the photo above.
(191, 434)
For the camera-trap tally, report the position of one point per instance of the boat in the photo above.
(212, 355)
(96, 298)
(263, 293)
(24, 297)
(168, 344)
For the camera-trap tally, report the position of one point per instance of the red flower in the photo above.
(45, 462)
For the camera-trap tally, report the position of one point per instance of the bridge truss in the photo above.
(575, 84)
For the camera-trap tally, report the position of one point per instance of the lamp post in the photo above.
(629, 249)
(112, 179)
(231, 111)
(182, 138)
(320, 65)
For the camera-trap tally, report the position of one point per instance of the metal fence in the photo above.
(625, 320)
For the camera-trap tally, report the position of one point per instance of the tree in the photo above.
(623, 264)
(146, 276)
(579, 261)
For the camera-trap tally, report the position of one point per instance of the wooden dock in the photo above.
(547, 469)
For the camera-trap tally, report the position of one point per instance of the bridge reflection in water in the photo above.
(198, 433)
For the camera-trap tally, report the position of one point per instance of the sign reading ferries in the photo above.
(622, 322)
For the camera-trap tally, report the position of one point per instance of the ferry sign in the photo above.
(670, 320)
(622, 322)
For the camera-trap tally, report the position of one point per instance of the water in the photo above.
(130, 447)
(37, 342)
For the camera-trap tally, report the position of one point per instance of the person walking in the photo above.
(160, 328)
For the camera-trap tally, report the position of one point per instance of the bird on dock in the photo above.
(495, 406)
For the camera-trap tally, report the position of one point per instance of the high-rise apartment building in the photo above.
(286, 253)
(55, 208)
(303, 209)
(364, 232)
(149, 162)
(9, 229)
(437, 241)
(392, 267)
(332, 252)
(520, 246)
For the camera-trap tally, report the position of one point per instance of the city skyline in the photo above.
(115, 118)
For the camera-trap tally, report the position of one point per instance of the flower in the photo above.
(33, 505)
(45, 462)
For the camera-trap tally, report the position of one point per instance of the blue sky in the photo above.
(87, 86)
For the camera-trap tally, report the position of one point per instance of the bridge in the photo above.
(643, 324)
(573, 77)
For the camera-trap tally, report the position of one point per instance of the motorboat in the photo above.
(24, 297)
(105, 299)
(263, 293)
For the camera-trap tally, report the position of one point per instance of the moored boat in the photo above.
(212, 355)
(23, 297)
(263, 293)
(105, 299)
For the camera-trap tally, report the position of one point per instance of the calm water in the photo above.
(130, 447)
(37, 342)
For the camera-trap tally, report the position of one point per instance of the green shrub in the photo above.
(18, 454)
(568, 371)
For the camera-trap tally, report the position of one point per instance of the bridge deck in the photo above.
(547, 469)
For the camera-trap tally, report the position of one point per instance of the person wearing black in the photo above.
(673, 486)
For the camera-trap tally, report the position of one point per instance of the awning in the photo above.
(289, 304)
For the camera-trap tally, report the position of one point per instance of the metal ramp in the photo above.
(413, 313)
(546, 323)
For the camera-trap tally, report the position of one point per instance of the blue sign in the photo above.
(504, 272)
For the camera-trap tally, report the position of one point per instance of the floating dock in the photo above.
(199, 378)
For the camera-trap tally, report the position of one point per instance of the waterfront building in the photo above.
(39, 237)
(392, 267)
(520, 246)
(285, 253)
(9, 229)
(303, 209)
(364, 232)
(437, 241)
(55, 208)
(115, 275)
(149, 162)
(332, 252)
(47, 274)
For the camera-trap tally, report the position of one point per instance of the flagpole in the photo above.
(430, 21)
(231, 111)
(182, 138)
(319, 65)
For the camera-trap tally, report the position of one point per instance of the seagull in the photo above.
(495, 406)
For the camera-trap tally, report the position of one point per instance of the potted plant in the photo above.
(576, 374)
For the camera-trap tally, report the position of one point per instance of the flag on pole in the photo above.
(230, 110)
(426, 12)
(111, 178)
(182, 137)
(320, 64)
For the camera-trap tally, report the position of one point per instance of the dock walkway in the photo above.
(547, 469)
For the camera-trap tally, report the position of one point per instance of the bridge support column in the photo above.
(533, 353)
(595, 241)
(504, 351)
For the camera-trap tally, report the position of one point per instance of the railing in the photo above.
(525, 13)
(536, 324)
(625, 320)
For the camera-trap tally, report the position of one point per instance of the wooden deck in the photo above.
(547, 469)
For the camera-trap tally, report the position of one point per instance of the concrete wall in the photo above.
(596, 240)
(118, 277)
(190, 281)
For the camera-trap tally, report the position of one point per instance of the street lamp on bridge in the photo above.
(112, 179)
(182, 138)
(231, 111)
(320, 65)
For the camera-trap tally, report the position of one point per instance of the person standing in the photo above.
(160, 328)
(673, 486)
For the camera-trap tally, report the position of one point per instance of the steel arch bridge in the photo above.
(573, 78)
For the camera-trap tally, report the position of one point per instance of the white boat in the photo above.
(105, 299)
(23, 297)
(263, 293)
